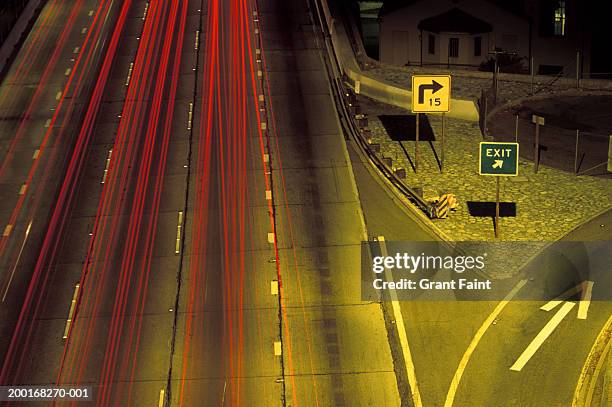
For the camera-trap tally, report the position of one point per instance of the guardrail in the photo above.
(342, 97)
(18, 33)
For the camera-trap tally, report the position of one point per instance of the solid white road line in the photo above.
(583, 305)
(548, 329)
(71, 312)
(274, 287)
(16, 261)
(108, 159)
(177, 248)
(550, 305)
(162, 398)
(401, 330)
(452, 390)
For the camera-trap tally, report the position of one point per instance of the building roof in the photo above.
(513, 6)
(455, 20)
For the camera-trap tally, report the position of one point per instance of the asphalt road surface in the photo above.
(209, 237)
(182, 224)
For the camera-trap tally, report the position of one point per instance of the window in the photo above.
(559, 19)
(477, 46)
(432, 44)
(453, 48)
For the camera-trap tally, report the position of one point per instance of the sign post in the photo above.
(538, 121)
(430, 94)
(442, 152)
(499, 160)
(610, 155)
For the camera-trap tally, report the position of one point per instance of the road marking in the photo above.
(27, 232)
(75, 50)
(548, 329)
(263, 125)
(146, 9)
(47, 123)
(278, 348)
(266, 158)
(84, 30)
(129, 76)
(585, 301)
(23, 189)
(550, 305)
(271, 237)
(197, 39)
(452, 391)
(268, 195)
(72, 311)
(401, 330)
(91, 13)
(177, 248)
(162, 398)
(7, 230)
(108, 159)
(35, 155)
(224, 389)
(593, 365)
(190, 119)
(68, 71)
(58, 95)
(274, 287)
(586, 288)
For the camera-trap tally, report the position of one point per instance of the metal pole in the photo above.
(576, 155)
(497, 231)
(532, 72)
(516, 129)
(495, 80)
(486, 105)
(416, 146)
(578, 69)
(536, 157)
(442, 152)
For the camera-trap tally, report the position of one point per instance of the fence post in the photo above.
(531, 66)
(576, 155)
(578, 69)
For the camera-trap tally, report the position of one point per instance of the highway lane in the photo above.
(339, 354)
(39, 131)
(228, 317)
(138, 126)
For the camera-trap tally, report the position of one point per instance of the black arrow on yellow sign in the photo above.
(433, 86)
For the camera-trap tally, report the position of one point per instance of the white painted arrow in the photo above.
(535, 344)
(586, 288)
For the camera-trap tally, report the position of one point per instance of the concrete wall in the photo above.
(23, 24)
(509, 32)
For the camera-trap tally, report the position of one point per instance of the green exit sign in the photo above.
(499, 159)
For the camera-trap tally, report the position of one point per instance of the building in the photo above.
(463, 33)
